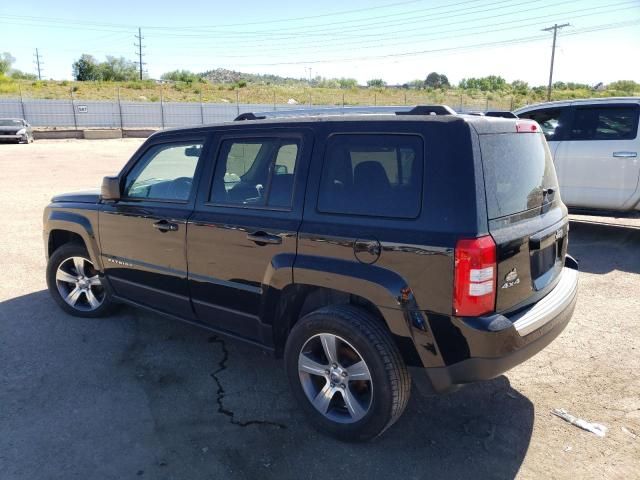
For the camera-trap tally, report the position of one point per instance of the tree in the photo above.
(520, 87)
(6, 60)
(86, 69)
(376, 83)
(347, 82)
(492, 83)
(20, 75)
(436, 80)
(182, 76)
(627, 86)
(118, 69)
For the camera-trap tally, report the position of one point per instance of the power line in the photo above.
(434, 34)
(513, 41)
(139, 53)
(39, 64)
(553, 29)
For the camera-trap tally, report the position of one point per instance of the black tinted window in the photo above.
(255, 172)
(379, 175)
(605, 123)
(517, 170)
(549, 120)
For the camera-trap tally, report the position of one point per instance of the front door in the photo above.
(599, 166)
(241, 239)
(143, 235)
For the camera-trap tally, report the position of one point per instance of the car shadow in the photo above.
(603, 248)
(137, 395)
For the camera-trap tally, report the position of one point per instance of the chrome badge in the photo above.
(511, 279)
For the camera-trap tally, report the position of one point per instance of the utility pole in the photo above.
(553, 53)
(139, 37)
(39, 64)
(310, 69)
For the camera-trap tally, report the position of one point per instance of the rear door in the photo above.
(245, 225)
(527, 219)
(600, 166)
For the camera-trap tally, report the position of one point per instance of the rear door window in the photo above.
(549, 119)
(605, 123)
(373, 175)
(255, 173)
(518, 170)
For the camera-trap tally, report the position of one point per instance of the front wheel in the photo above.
(75, 284)
(346, 373)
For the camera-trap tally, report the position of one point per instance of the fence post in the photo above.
(460, 101)
(375, 99)
(309, 98)
(405, 98)
(162, 105)
(342, 99)
(274, 101)
(201, 109)
(511, 107)
(73, 107)
(120, 111)
(24, 116)
(238, 102)
(486, 105)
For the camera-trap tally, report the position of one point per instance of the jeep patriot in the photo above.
(357, 247)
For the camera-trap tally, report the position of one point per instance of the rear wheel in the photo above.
(75, 284)
(346, 373)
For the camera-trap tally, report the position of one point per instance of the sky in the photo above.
(396, 40)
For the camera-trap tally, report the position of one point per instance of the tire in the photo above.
(70, 270)
(380, 400)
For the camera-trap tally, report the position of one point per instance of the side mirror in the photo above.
(110, 188)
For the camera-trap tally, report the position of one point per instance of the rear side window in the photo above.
(605, 123)
(549, 120)
(374, 175)
(517, 170)
(255, 173)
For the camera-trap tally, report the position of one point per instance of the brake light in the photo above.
(474, 290)
(527, 126)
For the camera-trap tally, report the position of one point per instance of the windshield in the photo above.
(518, 172)
(8, 122)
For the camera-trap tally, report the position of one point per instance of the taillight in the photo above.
(474, 289)
(527, 126)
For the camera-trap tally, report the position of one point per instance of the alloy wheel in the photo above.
(335, 378)
(79, 284)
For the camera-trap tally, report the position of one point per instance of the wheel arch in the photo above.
(288, 305)
(66, 227)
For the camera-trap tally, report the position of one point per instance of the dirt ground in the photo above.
(139, 396)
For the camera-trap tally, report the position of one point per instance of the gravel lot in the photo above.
(139, 396)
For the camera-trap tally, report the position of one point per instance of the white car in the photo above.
(595, 147)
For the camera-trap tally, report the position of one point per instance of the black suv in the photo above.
(355, 246)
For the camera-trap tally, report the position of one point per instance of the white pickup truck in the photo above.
(596, 150)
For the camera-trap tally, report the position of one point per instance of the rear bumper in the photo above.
(510, 341)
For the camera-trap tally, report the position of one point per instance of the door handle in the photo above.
(625, 154)
(165, 226)
(263, 238)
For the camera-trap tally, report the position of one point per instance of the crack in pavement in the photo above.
(222, 365)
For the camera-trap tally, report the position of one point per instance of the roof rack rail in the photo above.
(429, 110)
(248, 116)
(357, 110)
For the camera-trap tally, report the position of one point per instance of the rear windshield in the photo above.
(517, 170)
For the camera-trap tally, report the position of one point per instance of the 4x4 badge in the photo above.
(511, 279)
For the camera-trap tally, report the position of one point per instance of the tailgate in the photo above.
(527, 219)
